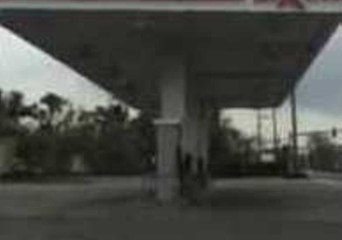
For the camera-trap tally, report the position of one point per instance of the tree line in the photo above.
(106, 139)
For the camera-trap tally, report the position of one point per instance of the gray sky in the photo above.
(28, 69)
(25, 68)
(320, 89)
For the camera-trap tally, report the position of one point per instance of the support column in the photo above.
(191, 134)
(293, 161)
(259, 134)
(168, 134)
(203, 143)
(196, 128)
(169, 126)
(204, 129)
(275, 136)
(183, 125)
(195, 141)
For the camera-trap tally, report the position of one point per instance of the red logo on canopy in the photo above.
(291, 4)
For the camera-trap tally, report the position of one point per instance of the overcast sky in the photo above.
(33, 72)
(26, 68)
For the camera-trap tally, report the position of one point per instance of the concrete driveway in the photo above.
(113, 208)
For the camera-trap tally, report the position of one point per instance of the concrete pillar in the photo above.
(204, 130)
(184, 124)
(203, 142)
(195, 141)
(168, 134)
(172, 86)
(194, 124)
(191, 134)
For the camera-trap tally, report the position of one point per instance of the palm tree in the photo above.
(15, 105)
(111, 117)
(11, 109)
(54, 104)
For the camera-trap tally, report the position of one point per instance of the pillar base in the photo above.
(168, 135)
(167, 189)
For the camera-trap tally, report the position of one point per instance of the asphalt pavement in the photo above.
(116, 208)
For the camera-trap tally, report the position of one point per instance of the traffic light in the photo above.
(334, 132)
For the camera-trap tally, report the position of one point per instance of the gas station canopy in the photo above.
(239, 53)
